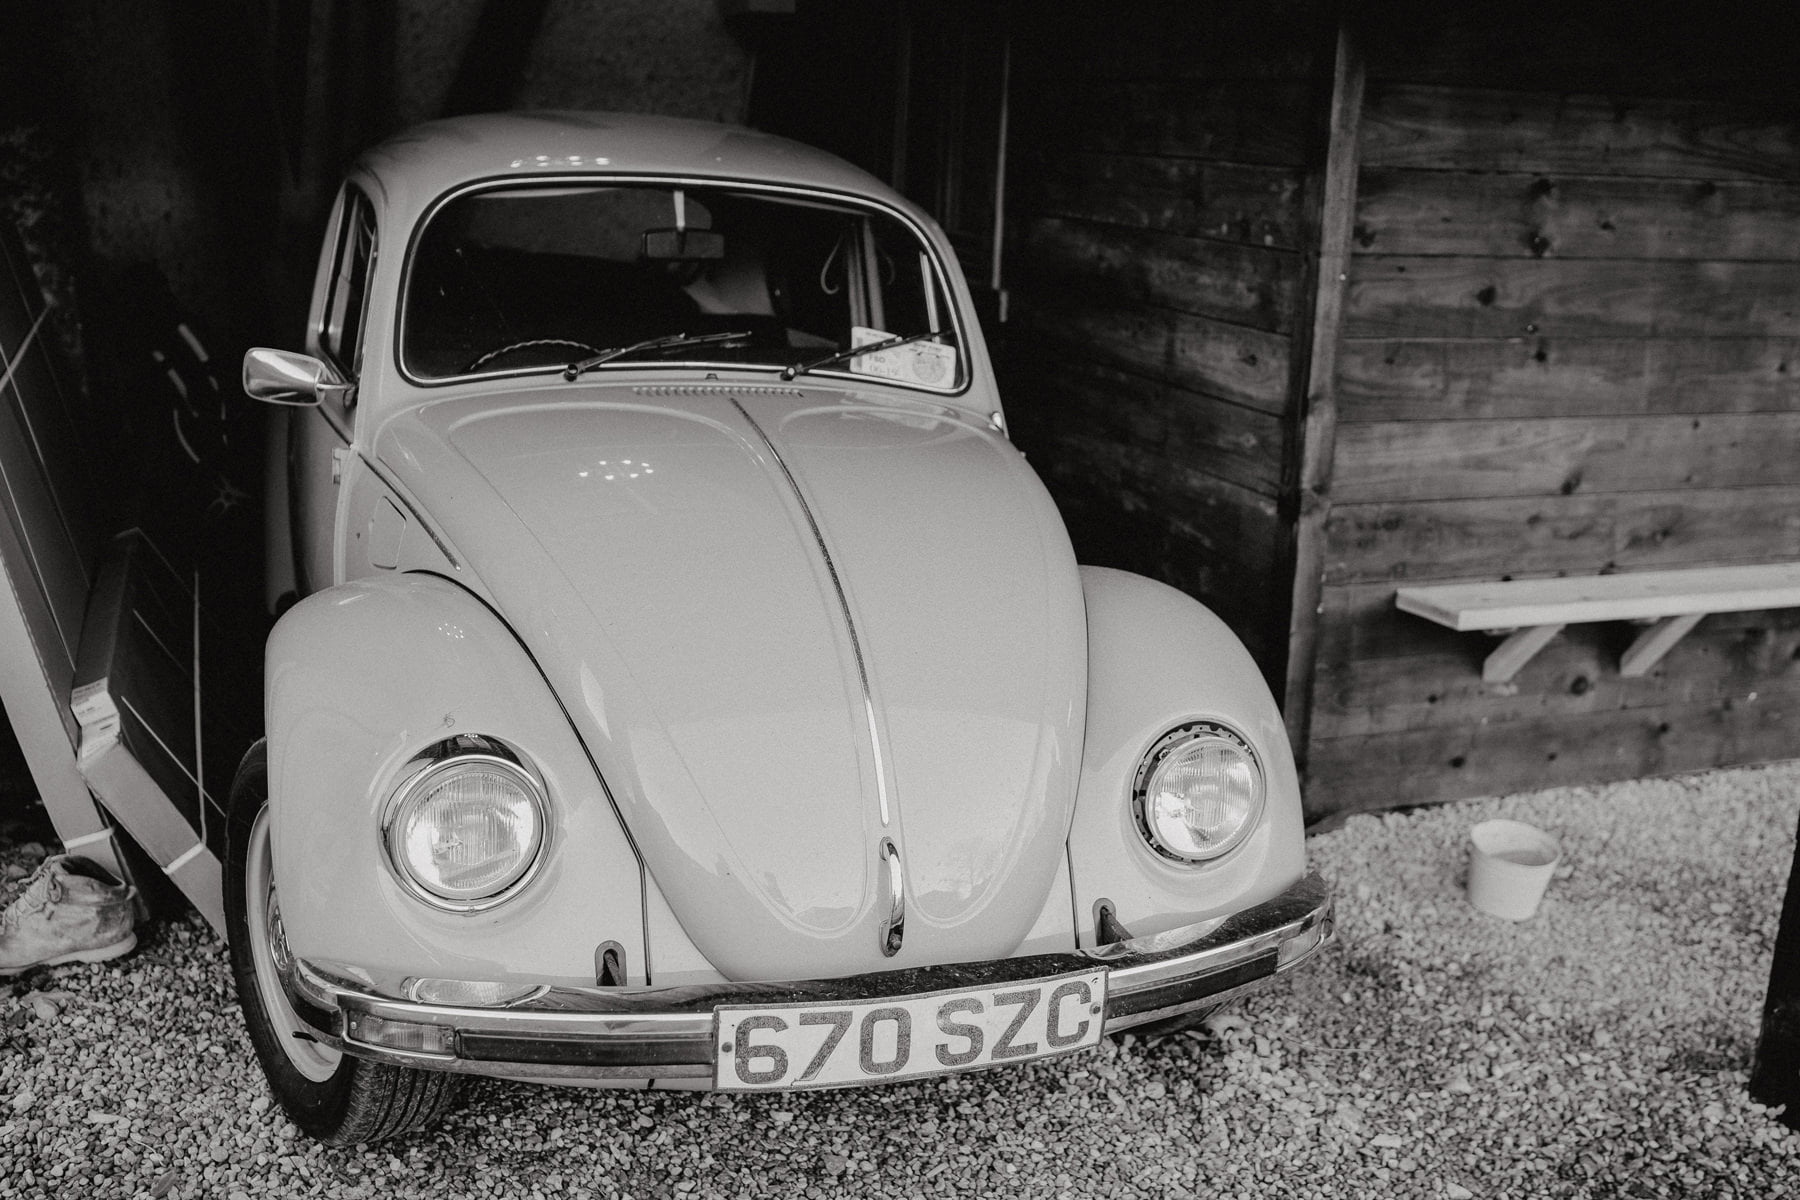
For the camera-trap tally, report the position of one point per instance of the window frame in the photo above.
(357, 248)
(942, 280)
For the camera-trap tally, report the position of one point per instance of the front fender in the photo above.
(1158, 659)
(361, 678)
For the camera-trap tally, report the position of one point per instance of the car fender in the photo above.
(363, 677)
(1158, 659)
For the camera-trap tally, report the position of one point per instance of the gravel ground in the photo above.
(1600, 1049)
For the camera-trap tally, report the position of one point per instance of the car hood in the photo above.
(790, 624)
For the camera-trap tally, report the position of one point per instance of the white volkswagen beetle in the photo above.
(690, 684)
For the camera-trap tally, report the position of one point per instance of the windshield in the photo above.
(537, 278)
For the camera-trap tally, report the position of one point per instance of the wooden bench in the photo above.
(1530, 612)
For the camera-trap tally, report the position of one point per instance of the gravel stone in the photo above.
(1600, 1049)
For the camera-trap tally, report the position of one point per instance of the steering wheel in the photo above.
(491, 355)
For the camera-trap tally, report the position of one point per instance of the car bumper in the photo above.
(589, 1034)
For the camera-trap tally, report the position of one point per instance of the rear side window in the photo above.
(341, 334)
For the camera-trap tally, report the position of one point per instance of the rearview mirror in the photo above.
(296, 380)
(683, 245)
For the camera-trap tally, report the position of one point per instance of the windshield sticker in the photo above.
(928, 363)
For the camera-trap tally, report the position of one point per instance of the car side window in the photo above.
(340, 336)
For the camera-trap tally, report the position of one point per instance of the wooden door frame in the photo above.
(1313, 413)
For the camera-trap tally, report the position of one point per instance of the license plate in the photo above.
(784, 1046)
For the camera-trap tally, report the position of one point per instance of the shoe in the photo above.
(70, 911)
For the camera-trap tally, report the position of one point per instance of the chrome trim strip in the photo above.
(655, 1032)
(714, 389)
(862, 668)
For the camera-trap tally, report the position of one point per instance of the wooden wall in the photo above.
(1565, 341)
(1156, 259)
(1571, 344)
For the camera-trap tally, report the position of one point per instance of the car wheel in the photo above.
(330, 1095)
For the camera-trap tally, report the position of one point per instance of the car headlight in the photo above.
(467, 831)
(1198, 792)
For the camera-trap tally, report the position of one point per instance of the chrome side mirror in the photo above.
(297, 380)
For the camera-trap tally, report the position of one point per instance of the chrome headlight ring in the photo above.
(1198, 793)
(467, 826)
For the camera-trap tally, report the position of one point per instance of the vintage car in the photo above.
(689, 684)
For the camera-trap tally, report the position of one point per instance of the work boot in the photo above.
(70, 911)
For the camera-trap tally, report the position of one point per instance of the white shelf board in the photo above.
(1639, 595)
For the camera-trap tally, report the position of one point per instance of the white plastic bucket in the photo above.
(1510, 864)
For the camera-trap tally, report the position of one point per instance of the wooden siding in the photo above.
(1453, 129)
(1532, 215)
(1159, 216)
(1572, 344)
(1401, 379)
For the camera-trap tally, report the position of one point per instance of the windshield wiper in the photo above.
(801, 368)
(669, 341)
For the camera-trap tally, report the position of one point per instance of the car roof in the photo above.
(413, 168)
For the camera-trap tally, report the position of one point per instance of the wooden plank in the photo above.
(1359, 623)
(1215, 541)
(1402, 380)
(1404, 211)
(68, 428)
(1242, 446)
(1232, 362)
(1314, 416)
(41, 493)
(1252, 205)
(50, 557)
(1679, 51)
(1224, 120)
(1195, 531)
(1632, 596)
(1360, 774)
(1654, 644)
(1445, 128)
(1418, 296)
(48, 536)
(1244, 285)
(1161, 421)
(1731, 656)
(1221, 525)
(1544, 535)
(1432, 460)
(134, 685)
(133, 795)
(62, 433)
(1084, 396)
(1685, 51)
(1511, 655)
(34, 694)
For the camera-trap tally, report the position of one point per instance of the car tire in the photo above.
(332, 1096)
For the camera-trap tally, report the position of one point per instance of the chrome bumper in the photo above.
(580, 1033)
